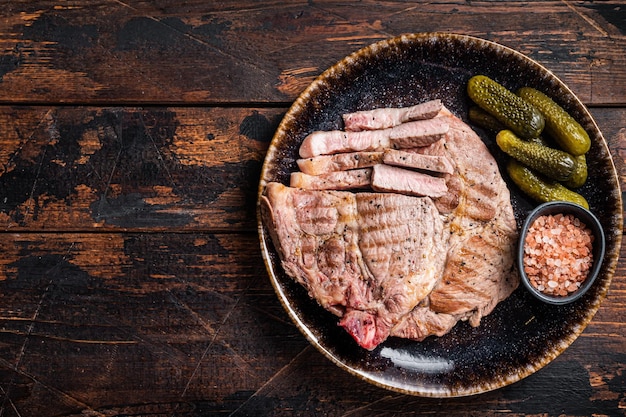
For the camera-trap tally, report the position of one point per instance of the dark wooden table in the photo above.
(132, 135)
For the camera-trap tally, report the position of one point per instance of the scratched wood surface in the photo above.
(236, 51)
(132, 135)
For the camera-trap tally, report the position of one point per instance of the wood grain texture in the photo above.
(136, 318)
(132, 134)
(188, 324)
(232, 52)
(78, 168)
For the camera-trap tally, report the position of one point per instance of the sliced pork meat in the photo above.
(418, 133)
(340, 180)
(386, 178)
(406, 135)
(416, 160)
(369, 258)
(398, 265)
(389, 117)
(324, 164)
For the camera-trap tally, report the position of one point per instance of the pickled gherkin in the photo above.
(553, 163)
(561, 126)
(539, 188)
(579, 176)
(511, 110)
(485, 120)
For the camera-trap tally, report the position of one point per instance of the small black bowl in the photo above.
(599, 243)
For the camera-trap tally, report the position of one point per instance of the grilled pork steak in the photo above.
(395, 265)
(370, 258)
(478, 272)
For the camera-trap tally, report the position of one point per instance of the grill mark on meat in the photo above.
(389, 117)
(293, 218)
(375, 281)
(478, 203)
(317, 220)
(457, 280)
(479, 270)
(389, 234)
(399, 247)
(407, 135)
(398, 235)
(472, 273)
(477, 169)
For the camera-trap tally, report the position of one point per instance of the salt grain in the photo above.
(558, 253)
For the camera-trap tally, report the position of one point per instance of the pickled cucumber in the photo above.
(579, 176)
(541, 189)
(553, 163)
(566, 131)
(511, 110)
(485, 120)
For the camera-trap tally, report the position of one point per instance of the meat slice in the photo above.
(409, 158)
(336, 141)
(416, 160)
(324, 164)
(369, 258)
(340, 180)
(418, 133)
(386, 178)
(388, 117)
(406, 135)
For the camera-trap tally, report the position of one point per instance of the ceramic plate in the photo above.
(521, 335)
